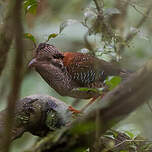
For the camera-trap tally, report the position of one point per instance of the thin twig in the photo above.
(134, 6)
(128, 141)
(130, 36)
(99, 9)
(141, 22)
(139, 11)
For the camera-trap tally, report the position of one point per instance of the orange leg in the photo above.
(90, 102)
(74, 110)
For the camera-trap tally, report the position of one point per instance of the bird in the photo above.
(67, 72)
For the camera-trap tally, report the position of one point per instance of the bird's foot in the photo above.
(75, 113)
(73, 110)
(90, 102)
(87, 105)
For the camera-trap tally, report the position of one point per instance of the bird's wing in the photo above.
(83, 68)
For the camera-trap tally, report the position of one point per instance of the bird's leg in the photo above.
(73, 110)
(90, 102)
(87, 105)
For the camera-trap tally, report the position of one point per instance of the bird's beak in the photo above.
(32, 62)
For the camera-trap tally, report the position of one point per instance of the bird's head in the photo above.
(44, 54)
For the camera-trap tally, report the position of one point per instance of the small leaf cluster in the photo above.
(115, 141)
(30, 6)
(63, 25)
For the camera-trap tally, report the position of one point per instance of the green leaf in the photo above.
(86, 89)
(52, 35)
(30, 6)
(130, 134)
(67, 23)
(112, 81)
(124, 151)
(109, 136)
(31, 37)
(90, 89)
(112, 134)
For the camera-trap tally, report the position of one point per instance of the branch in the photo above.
(6, 36)
(99, 8)
(17, 74)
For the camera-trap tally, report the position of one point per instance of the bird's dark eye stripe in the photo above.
(58, 56)
(41, 46)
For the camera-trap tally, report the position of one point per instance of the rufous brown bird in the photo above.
(67, 71)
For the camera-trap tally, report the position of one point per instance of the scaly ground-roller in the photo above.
(67, 71)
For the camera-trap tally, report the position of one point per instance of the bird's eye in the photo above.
(58, 56)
